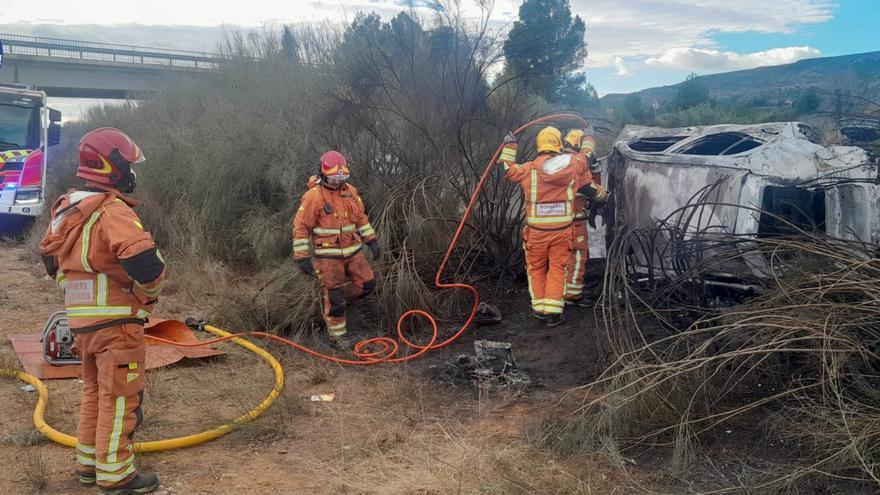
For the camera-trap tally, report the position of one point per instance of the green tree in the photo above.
(546, 49)
(808, 102)
(691, 93)
(633, 111)
(575, 92)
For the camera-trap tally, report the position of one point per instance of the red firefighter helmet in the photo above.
(106, 156)
(334, 167)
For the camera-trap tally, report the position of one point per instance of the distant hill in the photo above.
(858, 75)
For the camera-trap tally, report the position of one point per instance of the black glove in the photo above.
(375, 249)
(596, 209)
(509, 138)
(594, 192)
(306, 266)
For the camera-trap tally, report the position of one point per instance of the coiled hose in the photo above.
(171, 443)
(368, 352)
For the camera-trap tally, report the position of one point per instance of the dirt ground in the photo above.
(390, 430)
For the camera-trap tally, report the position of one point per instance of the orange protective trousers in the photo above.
(113, 383)
(577, 263)
(547, 254)
(343, 281)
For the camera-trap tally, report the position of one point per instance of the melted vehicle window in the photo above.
(723, 143)
(654, 144)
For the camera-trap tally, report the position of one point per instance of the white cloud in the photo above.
(637, 30)
(621, 35)
(211, 12)
(620, 67)
(706, 60)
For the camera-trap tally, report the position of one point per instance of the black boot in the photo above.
(86, 479)
(345, 342)
(582, 302)
(555, 320)
(540, 316)
(142, 483)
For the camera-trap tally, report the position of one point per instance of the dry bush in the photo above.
(22, 438)
(36, 469)
(796, 364)
(282, 300)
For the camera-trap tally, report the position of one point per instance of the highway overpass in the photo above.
(85, 69)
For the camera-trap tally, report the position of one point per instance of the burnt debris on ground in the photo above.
(492, 366)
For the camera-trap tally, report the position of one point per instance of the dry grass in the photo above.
(8, 358)
(22, 438)
(35, 468)
(279, 423)
(797, 364)
(379, 455)
(392, 432)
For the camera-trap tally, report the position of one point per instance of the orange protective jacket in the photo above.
(549, 183)
(333, 220)
(108, 266)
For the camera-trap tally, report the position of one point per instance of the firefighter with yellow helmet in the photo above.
(549, 183)
(581, 146)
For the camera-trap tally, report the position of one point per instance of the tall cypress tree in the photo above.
(546, 50)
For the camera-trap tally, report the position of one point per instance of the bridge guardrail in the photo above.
(92, 50)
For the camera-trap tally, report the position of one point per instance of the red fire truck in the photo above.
(27, 128)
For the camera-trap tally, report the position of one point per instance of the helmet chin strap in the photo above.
(130, 186)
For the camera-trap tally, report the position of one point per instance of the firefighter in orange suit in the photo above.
(582, 148)
(549, 183)
(111, 274)
(331, 224)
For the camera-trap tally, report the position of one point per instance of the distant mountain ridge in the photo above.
(857, 74)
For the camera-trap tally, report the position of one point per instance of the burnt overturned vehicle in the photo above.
(690, 204)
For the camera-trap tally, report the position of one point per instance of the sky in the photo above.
(633, 44)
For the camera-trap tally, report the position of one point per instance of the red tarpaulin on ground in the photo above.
(30, 351)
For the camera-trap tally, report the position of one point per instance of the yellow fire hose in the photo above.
(170, 443)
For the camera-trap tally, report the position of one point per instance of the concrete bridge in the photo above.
(85, 69)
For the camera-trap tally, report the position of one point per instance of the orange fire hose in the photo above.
(384, 349)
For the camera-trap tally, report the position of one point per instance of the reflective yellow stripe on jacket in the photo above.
(301, 245)
(366, 230)
(534, 219)
(508, 154)
(337, 252)
(98, 311)
(322, 231)
(86, 241)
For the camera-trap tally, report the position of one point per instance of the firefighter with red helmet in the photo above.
(332, 225)
(111, 273)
